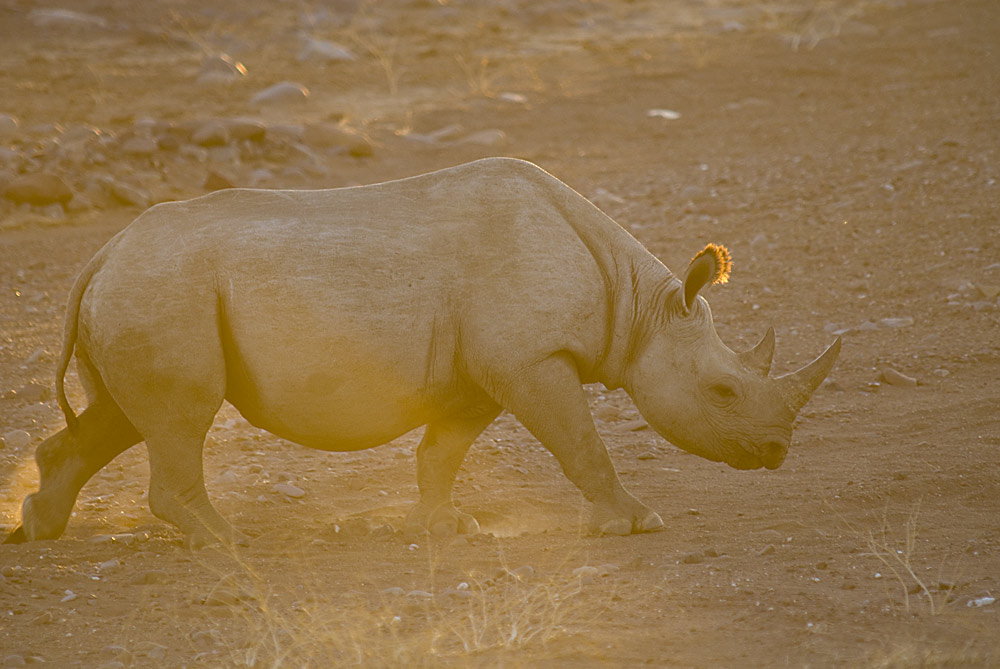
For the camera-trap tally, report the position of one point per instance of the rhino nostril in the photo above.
(772, 453)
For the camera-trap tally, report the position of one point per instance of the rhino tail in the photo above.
(70, 331)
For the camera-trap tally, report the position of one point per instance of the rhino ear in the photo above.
(710, 266)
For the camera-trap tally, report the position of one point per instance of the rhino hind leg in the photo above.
(439, 456)
(66, 461)
(548, 399)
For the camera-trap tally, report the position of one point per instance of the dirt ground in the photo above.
(846, 152)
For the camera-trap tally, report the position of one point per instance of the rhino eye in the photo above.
(722, 392)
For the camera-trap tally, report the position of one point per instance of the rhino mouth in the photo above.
(769, 455)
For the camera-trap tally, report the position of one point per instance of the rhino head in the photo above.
(706, 398)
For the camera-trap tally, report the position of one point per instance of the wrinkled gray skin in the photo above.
(341, 319)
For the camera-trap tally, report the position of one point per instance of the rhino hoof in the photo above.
(618, 526)
(17, 536)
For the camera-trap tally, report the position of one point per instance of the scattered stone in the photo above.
(422, 595)
(289, 490)
(34, 393)
(37, 356)
(38, 189)
(109, 565)
(635, 425)
(693, 558)
(65, 18)
(69, 596)
(894, 378)
(126, 193)
(16, 439)
(897, 322)
(14, 660)
(321, 50)
(139, 146)
(125, 538)
(979, 602)
(668, 114)
(648, 455)
(43, 618)
(221, 69)
(8, 125)
(241, 129)
(211, 133)
(766, 550)
(283, 93)
(491, 138)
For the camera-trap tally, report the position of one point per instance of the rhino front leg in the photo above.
(439, 456)
(548, 400)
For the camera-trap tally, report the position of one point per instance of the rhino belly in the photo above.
(323, 386)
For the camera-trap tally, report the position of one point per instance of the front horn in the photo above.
(797, 387)
(760, 356)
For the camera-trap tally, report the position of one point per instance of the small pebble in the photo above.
(284, 93)
(17, 439)
(290, 490)
(894, 378)
(38, 189)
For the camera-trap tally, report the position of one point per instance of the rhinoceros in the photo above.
(343, 318)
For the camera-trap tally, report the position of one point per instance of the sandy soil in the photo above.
(848, 156)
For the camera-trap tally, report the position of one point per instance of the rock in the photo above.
(43, 618)
(897, 322)
(668, 114)
(109, 565)
(492, 138)
(241, 129)
(290, 490)
(693, 558)
(894, 378)
(211, 133)
(126, 193)
(139, 146)
(635, 425)
(16, 439)
(323, 51)
(68, 596)
(221, 69)
(14, 660)
(8, 125)
(37, 356)
(34, 393)
(65, 18)
(325, 135)
(283, 93)
(38, 189)
(766, 550)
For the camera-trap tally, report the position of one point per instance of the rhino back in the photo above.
(393, 303)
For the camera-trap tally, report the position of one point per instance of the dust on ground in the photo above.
(846, 152)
